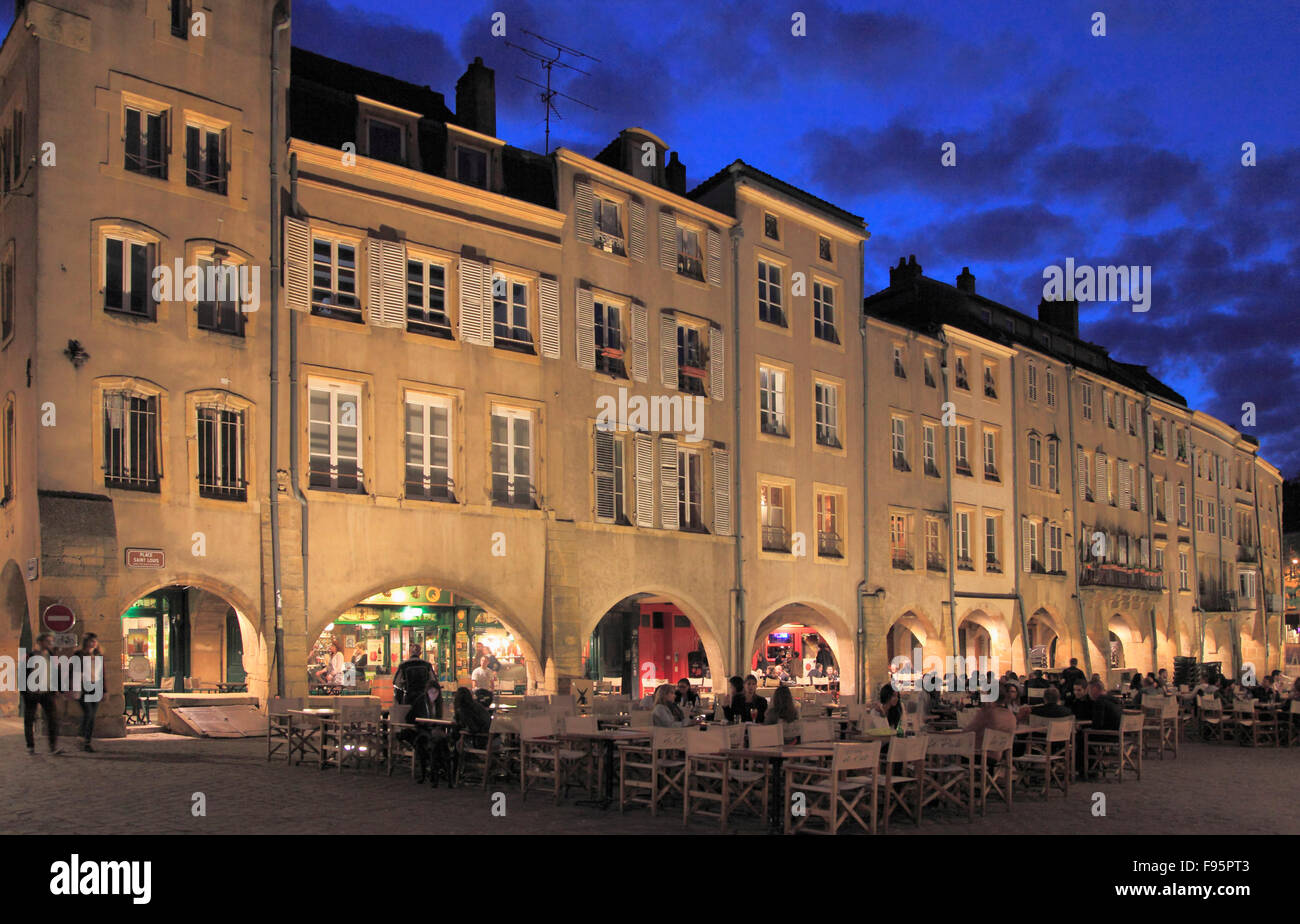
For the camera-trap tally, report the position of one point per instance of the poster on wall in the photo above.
(137, 642)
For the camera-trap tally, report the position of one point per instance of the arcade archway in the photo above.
(1042, 640)
(644, 640)
(15, 625)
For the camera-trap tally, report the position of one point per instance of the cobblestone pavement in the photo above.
(144, 784)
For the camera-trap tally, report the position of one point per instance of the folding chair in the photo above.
(1245, 722)
(993, 770)
(540, 755)
(949, 772)
(582, 760)
(1289, 730)
(707, 777)
(1153, 728)
(1212, 726)
(399, 747)
(908, 754)
(846, 789)
(814, 731)
(1048, 755)
(649, 774)
(278, 723)
(1107, 751)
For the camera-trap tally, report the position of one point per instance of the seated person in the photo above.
(783, 709)
(735, 687)
(1079, 703)
(686, 697)
(993, 714)
(888, 707)
(749, 706)
(1052, 707)
(667, 714)
(1038, 682)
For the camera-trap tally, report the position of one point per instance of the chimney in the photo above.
(675, 175)
(1063, 315)
(476, 99)
(966, 281)
(905, 271)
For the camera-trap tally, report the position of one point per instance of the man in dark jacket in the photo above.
(1072, 675)
(1106, 716)
(412, 678)
(1051, 707)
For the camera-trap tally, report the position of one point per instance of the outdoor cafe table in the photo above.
(609, 738)
(776, 756)
(305, 738)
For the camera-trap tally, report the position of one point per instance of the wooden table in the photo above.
(305, 737)
(777, 756)
(608, 738)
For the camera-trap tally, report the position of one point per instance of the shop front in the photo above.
(794, 652)
(642, 642)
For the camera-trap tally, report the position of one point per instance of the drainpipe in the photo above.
(1074, 482)
(1218, 544)
(1015, 514)
(1261, 592)
(860, 652)
(1191, 523)
(1147, 427)
(952, 514)
(281, 23)
(294, 475)
(738, 647)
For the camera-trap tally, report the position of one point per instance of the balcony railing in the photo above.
(1213, 600)
(1095, 575)
(901, 559)
(776, 539)
(829, 545)
(934, 562)
(1248, 553)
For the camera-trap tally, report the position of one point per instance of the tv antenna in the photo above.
(549, 62)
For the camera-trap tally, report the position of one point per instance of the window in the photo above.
(771, 227)
(824, 249)
(221, 452)
(962, 538)
(1031, 382)
(1051, 388)
(824, 312)
(1158, 436)
(928, 450)
(1109, 401)
(1182, 571)
(1128, 417)
(961, 439)
(131, 441)
(991, 455)
(1160, 564)
(829, 543)
(928, 367)
(223, 313)
(1182, 505)
(1086, 388)
(992, 556)
(1182, 445)
(770, 302)
(128, 275)
(334, 280)
(1054, 549)
(611, 505)
(898, 428)
(146, 142)
(1085, 474)
(472, 166)
(771, 393)
(1212, 526)
(772, 500)
(512, 457)
(335, 436)
(1200, 514)
(1053, 465)
(426, 297)
(900, 371)
(180, 18)
(7, 308)
(933, 545)
(607, 224)
(429, 474)
(1246, 582)
(1035, 462)
(827, 400)
(1032, 548)
(692, 359)
(961, 378)
(990, 381)
(608, 327)
(690, 490)
(385, 141)
(690, 258)
(900, 541)
(510, 314)
(205, 158)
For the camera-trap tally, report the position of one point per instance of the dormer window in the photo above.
(607, 224)
(385, 141)
(472, 166)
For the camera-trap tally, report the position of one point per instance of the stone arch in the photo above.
(1056, 640)
(1135, 646)
(15, 624)
(995, 625)
(911, 627)
(821, 616)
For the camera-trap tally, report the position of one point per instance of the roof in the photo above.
(738, 168)
(350, 79)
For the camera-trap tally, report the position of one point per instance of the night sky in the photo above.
(1123, 149)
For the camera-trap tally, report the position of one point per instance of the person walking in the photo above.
(92, 673)
(412, 678)
(43, 698)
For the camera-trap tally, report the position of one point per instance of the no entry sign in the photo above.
(58, 618)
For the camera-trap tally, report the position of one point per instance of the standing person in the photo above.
(749, 706)
(824, 656)
(1072, 675)
(412, 678)
(92, 667)
(44, 699)
(483, 677)
(333, 673)
(360, 661)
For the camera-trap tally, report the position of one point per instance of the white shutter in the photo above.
(636, 229)
(1125, 485)
(1026, 545)
(721, 492)
(375, 281)
(1142, 488)
(717, 364)
(640, 342)
(473, 313)
(487, 325)
(604, 474)
(1171, 514)
(585, 325)
(668, 241)
(668, 512)
(715, 258)
(583, 205)
(1103, 493)
(297, 265)
(668, 349)
(1169, 435)
(1142, 552)
(645, 473)
(1083, 475)
(393, 300)
(548, 301)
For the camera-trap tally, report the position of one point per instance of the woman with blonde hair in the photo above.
(667, 713)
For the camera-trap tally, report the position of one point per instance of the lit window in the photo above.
(426, 298)
(335, 436)
(824, 313)
(205, 158)
(429, 473)
(334, 280)
(770, 302)
(512, 457)
(128, 275)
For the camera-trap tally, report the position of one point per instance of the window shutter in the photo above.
(394, 286)
(1125, 484)
(583, 210)
(1142, 488)
(721, 492)
(375, 281)
(668, 241)
(585, 325)
(1169, 446)
(473, 313)
(297, 265)
(636, 229)
(604, 474)
(717, 364)
(645, 472)
(715, 258)
(1103, 493)
(668, 349)
(1083, 475)
(1142, 552)
(640, 342)
(668, 512)
(1024, 539)
(1170, 513)
(548, 301)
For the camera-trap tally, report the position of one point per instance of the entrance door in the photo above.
(235, 672)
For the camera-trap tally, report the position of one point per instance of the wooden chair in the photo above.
(846, 789)
(399, 747)
(904, 789)
(640, 718)
(1107, 751)
(278, 723)
(488, 754)
(949, 773)
(707, 781)
(1171, 725)
(815, 731)
(1047, 754)
(351, 736)
(1247, 724)
(539, 755)
(993, 769)
(582, 760)
(1153, 728)
(766, 736)
(649, 774)
(1212, 728)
